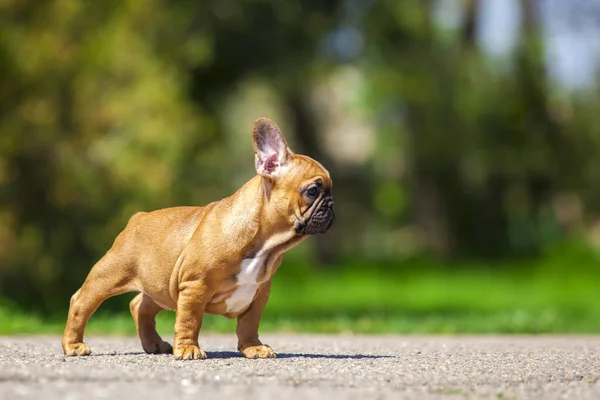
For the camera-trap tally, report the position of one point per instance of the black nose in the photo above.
(330, 206)
(329, 203)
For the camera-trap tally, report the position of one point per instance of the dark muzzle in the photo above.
(321, 219)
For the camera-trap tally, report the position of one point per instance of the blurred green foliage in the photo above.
(436, 150)
(414, 296)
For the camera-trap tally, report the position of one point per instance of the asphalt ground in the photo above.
(327, 367)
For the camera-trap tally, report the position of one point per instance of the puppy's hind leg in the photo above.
(108, 278)
(144, 311)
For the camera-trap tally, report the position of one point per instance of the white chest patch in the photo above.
(247, 284)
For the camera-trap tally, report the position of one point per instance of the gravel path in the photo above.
(310, 366)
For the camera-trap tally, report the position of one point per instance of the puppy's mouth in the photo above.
(320, 219)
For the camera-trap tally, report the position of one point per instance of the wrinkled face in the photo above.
(297, 186)
(319, 214)
(314, 202)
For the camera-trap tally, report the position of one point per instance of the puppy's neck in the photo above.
(255, 219)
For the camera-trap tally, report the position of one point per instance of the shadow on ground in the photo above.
(234, 354)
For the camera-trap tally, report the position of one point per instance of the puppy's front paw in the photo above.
(77, 349)
(260, 351)
(189, 352)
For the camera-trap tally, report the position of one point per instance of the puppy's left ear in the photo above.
(270, 148)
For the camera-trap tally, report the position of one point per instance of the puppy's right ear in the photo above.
(270, 148)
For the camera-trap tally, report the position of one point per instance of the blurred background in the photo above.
(462, 137)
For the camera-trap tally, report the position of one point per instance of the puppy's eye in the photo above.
(312, 191)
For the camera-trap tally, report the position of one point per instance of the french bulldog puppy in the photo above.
(216, 259)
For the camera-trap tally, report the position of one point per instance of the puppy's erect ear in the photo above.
(270, 148)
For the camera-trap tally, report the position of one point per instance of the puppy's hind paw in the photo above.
(160, 347)
(77, 349)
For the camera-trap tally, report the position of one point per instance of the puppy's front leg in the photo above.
(247, 327)
(188, 321)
